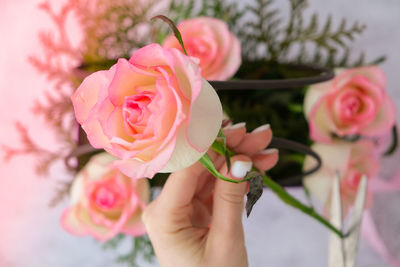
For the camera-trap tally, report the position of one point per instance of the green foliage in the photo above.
(115, 28)
(266, 35)
(141, 247)
(185, 9)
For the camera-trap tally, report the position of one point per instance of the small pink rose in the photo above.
(209, 40)
(353, 103)
(105, 202)
(154, 112)
(352, 160)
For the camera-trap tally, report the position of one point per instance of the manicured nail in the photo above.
(269, 151)
(237, 126)
(239, 169)
(262, 128)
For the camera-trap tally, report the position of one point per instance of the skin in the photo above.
(197, 219)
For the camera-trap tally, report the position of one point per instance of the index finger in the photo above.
(181, 186)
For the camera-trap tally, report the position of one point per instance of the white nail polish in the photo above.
(237, 126)
(262, 128)
(269, 151)
(239, 169)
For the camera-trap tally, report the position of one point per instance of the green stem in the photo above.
(279, 191)
(206, 161)
(174, 29)
(292, 201)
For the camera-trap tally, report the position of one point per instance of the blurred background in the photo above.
(276, 235)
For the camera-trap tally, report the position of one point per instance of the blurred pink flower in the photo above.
(154, 112)
(355, 102)
(104, 202)
(209, 40)
(351, 160)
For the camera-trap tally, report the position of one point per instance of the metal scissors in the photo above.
(343, 252)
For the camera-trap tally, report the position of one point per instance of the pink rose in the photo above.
(352, 160)
(104, 202)
(355, 102)
(209, 40)
(154, 112)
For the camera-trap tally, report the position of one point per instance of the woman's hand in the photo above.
(197, 219)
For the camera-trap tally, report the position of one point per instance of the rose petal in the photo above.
(135, 168)
(313, 96)
(86, 96)
(99, 232)
(373, 73)
(127, 77)
(188, 75)
(233, 62)
(134, 227)
(205, 119)
(70, 222)
(95, 134)
(184, 155)
(384, 120)
(320, 122)
(151, 55)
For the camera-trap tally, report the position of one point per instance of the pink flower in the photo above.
(209, 40)
(154, 112)
(104, 202)
(353, 103)
(352, 160)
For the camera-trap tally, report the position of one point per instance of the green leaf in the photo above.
(255, 191)
(377, 61)
(225, 151)
(174, 29)
(295, 107)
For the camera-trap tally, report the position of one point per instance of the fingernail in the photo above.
(239, 169)
(269, 151)
(262, 128)
(237, 126)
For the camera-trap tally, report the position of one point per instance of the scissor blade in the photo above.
(336, 244)
(352, 240)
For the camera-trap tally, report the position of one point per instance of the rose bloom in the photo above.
(153, 111)
(209, 40)
(353, 103)
(352, 160)
(105, 202)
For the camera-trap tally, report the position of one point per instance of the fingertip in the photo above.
(255, 141)
(266, 159)
(234, 134)
(240, 166)
(262, 128)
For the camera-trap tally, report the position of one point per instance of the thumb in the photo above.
(229, 198)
